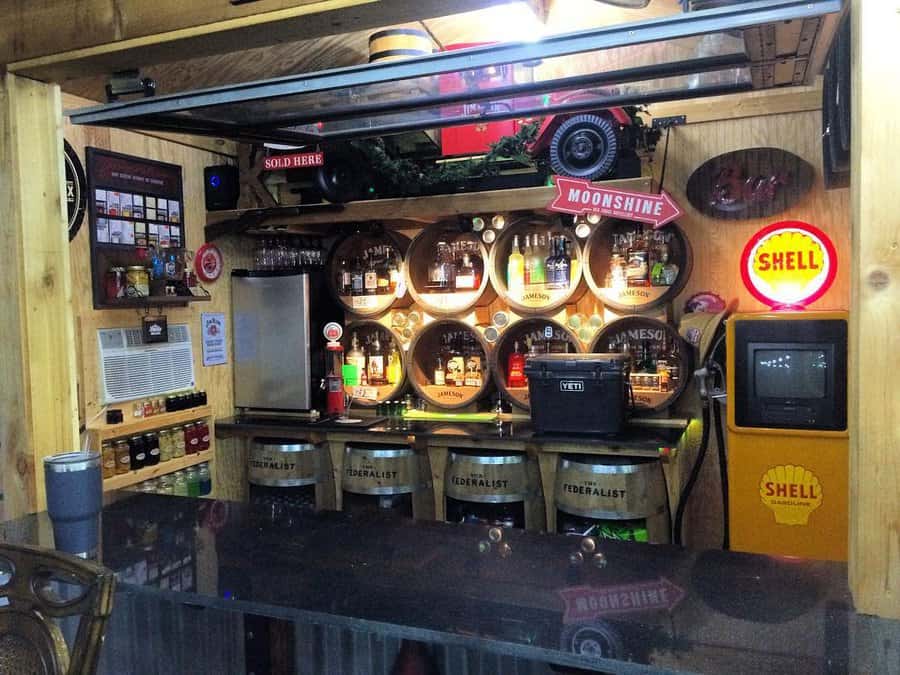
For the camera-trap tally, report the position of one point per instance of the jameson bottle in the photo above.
(563, 264)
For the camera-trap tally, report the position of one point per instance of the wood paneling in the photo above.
(37, 354)
(874, 337)
(216, 380)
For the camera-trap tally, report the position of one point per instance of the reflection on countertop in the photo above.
(551, 598)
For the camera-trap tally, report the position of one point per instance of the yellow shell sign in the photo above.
(791, 492)
(788, 264)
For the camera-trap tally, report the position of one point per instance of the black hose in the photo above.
(692, 479)
(723, 473)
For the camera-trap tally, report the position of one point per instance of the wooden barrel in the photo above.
(391, 44)
(596, 487)
(421, 359)
(387, 251)
(537, 297)
(371, 469)
(625, 267)
(487, 477)
(281, 463)
(561, 340)
(374, 392)
(458, 297)
(656, 380)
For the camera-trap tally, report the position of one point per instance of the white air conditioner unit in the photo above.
(131, 369)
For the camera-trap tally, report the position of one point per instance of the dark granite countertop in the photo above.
(635, 438)
(646, 609)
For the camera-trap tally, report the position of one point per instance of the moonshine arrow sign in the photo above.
(585, 603)
(580, 197)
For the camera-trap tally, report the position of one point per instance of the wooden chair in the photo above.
(37, 586)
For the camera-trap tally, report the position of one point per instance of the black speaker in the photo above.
(222, 187)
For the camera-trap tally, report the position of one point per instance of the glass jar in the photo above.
(179, 484)
(178, 447)
(138, 453)
(108, 458)
(148, 486)
(115, 283)
(138, 282)
(203, 427)
(205, 479)
(123, 456)
(191, 439)
(166, 485)
(193, 482)
(165, 445)
(151, 447)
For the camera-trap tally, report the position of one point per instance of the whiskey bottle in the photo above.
(357, 281)
(564, 264)
(515, 270)
(376, 362)
(344, 283)
(465, 275)
(527, 261)
(370, 277)
(439, 375)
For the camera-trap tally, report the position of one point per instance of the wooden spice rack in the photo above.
(102, 432)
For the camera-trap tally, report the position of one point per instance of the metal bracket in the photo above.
(125, 82)
(669, 122)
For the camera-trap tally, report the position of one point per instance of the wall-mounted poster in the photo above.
(133, 204)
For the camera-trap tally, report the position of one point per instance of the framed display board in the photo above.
(133, 204)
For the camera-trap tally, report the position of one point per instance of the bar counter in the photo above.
(525, 599)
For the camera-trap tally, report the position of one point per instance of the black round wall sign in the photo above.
(76, 190)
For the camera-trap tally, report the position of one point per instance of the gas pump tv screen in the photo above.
(791, 374)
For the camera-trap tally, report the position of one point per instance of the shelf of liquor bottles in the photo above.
(446, 270)
(522, 339)
(365, 271)
(659, 364)
(535, 265)
(374, 363)
(632, 267)
(447, 364)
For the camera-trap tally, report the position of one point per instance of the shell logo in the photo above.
(790, 263)
(791, 492)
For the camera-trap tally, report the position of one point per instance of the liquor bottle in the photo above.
(670, 270)
(370, 277)
(456, 364)
(515, 270)
(538, 256)
(637, 268)
(649, 363)
(384, 281)
(515, 368)
(376, 362)
(473, 376)
(527, 261)
(564, 264)
(465, 275)
(344, 282)
(354, 362)
(393, 270)
(439, 376)
(393, 372)
(357, 281)
(550, 264)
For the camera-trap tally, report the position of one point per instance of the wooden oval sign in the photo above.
(749, 183)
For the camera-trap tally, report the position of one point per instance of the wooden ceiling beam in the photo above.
(104, 36)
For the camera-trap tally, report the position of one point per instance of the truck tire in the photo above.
(584, 146)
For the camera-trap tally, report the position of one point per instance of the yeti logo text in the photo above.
(571, 385)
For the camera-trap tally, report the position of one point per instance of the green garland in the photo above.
(403, 176)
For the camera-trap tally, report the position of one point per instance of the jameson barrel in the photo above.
(617, 497)
(374, 367)
(379, 477)
(536, 266)
(487, 487)
(283, 472)
(365, 272)
(520, 340)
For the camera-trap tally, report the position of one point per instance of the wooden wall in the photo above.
(216, 380)
(717, 244)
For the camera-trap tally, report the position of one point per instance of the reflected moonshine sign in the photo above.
(789, 264)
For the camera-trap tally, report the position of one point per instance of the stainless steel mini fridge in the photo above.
(271, 313)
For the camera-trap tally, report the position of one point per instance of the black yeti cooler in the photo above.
(578, 393)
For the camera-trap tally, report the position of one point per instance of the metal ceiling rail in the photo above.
(141, 113)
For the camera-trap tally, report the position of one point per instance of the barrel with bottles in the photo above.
(536, 265)
(659, 366)
(630, 266)
(365, 271)
(446, 270)
(374, 363)
(447, 364)
(520, 340)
